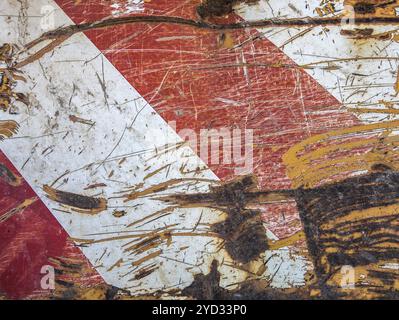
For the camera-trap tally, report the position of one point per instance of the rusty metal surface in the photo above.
(215, 149)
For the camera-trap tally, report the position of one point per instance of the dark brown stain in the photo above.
(339, 230)
(94, 186)
(364, 8)
(5, 93)
(369, 7)
(357, 33)
(119, 213)
(77, 202)
(352, 222)
(67, 270)
(242, 230)
(207, 287)
(218, 8)
(238, 193)
(66, 290)
(151, 242)
(145, 271)
(8, 79)
(244, 234)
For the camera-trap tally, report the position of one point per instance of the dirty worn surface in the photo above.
(97, 182)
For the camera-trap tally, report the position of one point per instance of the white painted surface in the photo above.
(363, 83)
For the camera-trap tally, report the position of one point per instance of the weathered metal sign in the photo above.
(210, 149)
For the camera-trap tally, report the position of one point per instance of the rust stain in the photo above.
(218, 8)
(331, 154)
(96, 185)
(153, 190)
(146, 258)
(353, 222)
(347, 222)
(8, 128)
(151, 242)
(144, 272)
(242, 230)
(119, 213)
(77, 202)
(373, 8)
(207, 287)
(67, 286)
(76, 119)
(8, 78)
(350, 219)
(18, 209)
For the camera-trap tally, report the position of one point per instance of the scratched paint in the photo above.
(362, 74)
(97, 165)
(67, 121)
(130, 192)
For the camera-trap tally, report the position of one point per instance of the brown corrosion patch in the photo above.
(354, 223)
(77, 202)
(377, 8)
(218, 8)
(238, 193)
(373, 10)
(8, 128)
(8, 176)
(8, 78)
(244, 234)
(242, 230)
(71, 284)
(207, 287)
(350, 219)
